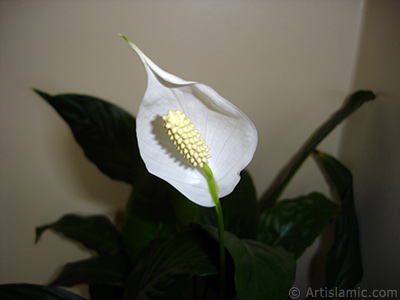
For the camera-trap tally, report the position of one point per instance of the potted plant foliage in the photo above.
(193, 227)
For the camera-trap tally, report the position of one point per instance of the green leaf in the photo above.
(238, 209)
(150, 199)
(106, 132)
(166, 264)
(186, 211)
(351, 104)
(139, 232)
(149, 214)
(295, 224)
(344, 266)
(106, 292)
(261, 271)
(94, 232)
(35, 292)
(100, 270)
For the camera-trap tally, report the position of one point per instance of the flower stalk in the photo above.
(221, 233)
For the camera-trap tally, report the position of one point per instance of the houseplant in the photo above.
(172, 244)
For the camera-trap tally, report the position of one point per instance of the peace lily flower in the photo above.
(224, 137)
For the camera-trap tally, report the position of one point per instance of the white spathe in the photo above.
(228, 132)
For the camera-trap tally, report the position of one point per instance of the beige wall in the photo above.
(370, 145)
(287, 64)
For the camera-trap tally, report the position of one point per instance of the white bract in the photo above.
(227, 134)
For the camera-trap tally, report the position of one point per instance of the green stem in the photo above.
(221, 234)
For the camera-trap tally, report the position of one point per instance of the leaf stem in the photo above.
(221, 233)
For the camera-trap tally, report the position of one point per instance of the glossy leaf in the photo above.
(35, 292)
(106, 132)
(227, 131)
(139, 232)
(261, 271)
(186, 212)
(105, 269)
(238, 208)
(148, 214)
(165, 266)
(94, 232)
(351, 104)
(295, 224)
(344, 266)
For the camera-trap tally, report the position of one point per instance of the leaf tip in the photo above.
(37, 91)
(318, 155)
(38, 232)
(42, 94)
(362, 96)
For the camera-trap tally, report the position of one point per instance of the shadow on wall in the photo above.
(370, 145)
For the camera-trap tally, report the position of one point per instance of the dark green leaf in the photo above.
(295, 224)
(261, 272)
(35, 292)
(166, 264)
(238, 209)
(139, 232)
(106, 132)
(100, 269)
(351, 104)
(106, 292)
(150, 199)
(186, 211)
(149, 214)
(344, 265)
(94, 232)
